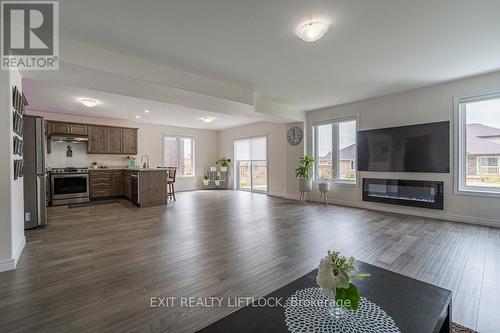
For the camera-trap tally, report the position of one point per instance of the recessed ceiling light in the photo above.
(88, 102)
(311, 31)
(207, 119)
(146, 111)
(137, 117)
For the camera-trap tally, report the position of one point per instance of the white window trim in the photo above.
(177, 137)
(266, 135)
(460, 149)
(335, 157)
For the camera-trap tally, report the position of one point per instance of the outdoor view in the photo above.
(178, 149)
(483, 143)
(251, 164)
(346, 155)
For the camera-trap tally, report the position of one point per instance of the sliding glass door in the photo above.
(251, 164)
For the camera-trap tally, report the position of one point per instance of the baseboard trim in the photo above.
(10, 264)
(7, 265)
(389, 209)
(19, 251)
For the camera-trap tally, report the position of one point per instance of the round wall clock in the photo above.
(294, 135)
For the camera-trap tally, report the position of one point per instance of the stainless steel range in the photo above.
(69, 185)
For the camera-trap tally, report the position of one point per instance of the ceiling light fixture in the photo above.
(146, 111)
(311, 31)
(137, 117)
(207, 120)
(88, 102)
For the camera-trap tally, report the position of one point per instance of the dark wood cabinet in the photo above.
(101, 139)
(97, 143)
(129, 141)
(127, 184)
(78, 129)
(117, 183)
(59, 128)
(114, 140)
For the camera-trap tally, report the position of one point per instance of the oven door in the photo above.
(67, 186)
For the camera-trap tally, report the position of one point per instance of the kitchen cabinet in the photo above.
(97, 143)
(114, 140)
(129, 141)
(127, 184)
(78, 129)
(117, 183)
(59, 128)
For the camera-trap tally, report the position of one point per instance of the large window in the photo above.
(179, 152)
(335, 151)
(478, 123)
(250, 157)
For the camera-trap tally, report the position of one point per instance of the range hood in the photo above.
(70, 139)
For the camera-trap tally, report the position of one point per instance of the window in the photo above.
(179, 152)
(334, 147)
(250, 157)
(478, 137)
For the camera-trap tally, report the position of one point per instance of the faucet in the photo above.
(145, 165)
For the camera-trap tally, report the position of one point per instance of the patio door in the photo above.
(251, 164)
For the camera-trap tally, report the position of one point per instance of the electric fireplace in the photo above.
(415, 193)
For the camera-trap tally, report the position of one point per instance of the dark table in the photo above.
(415, 306)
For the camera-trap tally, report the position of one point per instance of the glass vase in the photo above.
(336, 309)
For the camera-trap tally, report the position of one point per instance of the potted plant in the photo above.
(224, 163)
(303, 173)
(94, 165)
(205, 180)
(217, 181)
(324, 184)
(213, 169)
(130, 161)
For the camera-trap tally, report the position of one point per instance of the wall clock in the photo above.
(294, 135)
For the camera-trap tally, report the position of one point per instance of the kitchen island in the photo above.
(144, 187)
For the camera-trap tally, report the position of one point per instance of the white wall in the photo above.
(281, 156)
(149, 143)
(12, 238)
(430, 104)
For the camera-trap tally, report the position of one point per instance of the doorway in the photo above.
(251, 164)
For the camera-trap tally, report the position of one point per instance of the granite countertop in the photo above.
(126, 168)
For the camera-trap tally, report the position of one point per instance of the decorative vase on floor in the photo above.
(305, 186)
(324, 188)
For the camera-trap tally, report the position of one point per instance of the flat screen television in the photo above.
(415, 148)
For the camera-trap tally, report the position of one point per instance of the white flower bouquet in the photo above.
(335, 273)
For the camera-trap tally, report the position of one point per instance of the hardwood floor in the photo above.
(94, 269)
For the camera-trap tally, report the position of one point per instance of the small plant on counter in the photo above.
(224, 163)
(130, 161)
(94, 165)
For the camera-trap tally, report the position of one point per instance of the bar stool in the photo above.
(171, 183)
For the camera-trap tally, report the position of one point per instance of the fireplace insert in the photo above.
(415, 193)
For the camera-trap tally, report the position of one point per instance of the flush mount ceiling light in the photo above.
(207, 120)
(88, 102)
(137, 117)
(146, 111)
(311, 31)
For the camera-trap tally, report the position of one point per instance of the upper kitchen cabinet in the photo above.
(114, 140)
(130, 141)
(62, 128)
(97, 143)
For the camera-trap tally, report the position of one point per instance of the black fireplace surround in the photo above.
(415, 193)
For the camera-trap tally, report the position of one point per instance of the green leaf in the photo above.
(351, 295)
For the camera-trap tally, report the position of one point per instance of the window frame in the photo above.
(178, 143)
(235, 163)
(460, 149)
(335, 150)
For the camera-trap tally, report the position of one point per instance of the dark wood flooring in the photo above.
(94, 269)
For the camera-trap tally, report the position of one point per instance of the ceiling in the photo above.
(43, 96)
(373, 48)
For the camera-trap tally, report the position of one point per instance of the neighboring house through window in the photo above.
(334, 146)
(479, 144)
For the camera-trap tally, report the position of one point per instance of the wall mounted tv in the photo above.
(415, 148)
